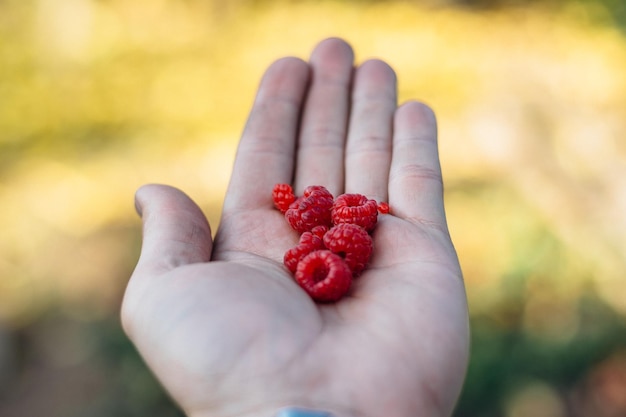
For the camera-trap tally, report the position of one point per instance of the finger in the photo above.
(368, 149)
(175, 231)
(415, 181)
(265, 155)
(325, 118)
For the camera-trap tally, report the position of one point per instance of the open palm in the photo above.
(223, 324)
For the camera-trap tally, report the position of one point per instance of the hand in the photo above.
(222, 323)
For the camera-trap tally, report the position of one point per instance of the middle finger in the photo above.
(325, 118)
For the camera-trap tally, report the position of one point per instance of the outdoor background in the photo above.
(100, 96)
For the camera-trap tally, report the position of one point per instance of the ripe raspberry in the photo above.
(283, 196)
(352, 243)
(295, 203)
(310, 210)
(314, 189)
(355, 209)
(383, 208)
(319, 231)
(324, 276)
(309, 242)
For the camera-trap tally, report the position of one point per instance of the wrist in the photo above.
(290, 411)
(302, 412)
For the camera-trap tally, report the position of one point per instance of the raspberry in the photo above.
(319, 231)
(383, 208)
(356, 209)
(283, 196)
(352, 243)
(324, 262)
(324, 276)
(310, 210)
(309, 242)
(295, 203)
(311, 189)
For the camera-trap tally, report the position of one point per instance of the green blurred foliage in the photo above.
(100, 96)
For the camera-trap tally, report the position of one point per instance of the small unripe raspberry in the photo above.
(283, 196)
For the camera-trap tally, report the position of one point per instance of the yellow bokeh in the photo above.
(115, 94)
(100, 97)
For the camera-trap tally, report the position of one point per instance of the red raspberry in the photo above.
(352, 243)
(283, 196)
(309, 242)
(319, 231)
(383, 208)
(295, 203)
(315, 188)
(310, 210)
(324, 276)
(355, 209)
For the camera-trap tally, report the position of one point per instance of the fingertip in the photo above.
(175, 230)
(378, 69)
(147, 192)
(289, 63)
(282, 78)
(375, 79)
(417, 111)
(333, 50)
(140, 198)
(138, 206)
(334, 43)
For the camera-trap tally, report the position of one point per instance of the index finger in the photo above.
(265, 155)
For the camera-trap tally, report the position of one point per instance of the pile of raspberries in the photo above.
(335, 243)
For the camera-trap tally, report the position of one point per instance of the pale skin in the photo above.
(222, 323)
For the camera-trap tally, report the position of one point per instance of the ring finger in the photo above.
(368, 148)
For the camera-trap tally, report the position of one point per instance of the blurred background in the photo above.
(100, 96)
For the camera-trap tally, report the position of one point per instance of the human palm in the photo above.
(223, 324)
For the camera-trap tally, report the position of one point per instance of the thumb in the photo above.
(175, 231)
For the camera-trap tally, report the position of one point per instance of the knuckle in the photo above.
(417, 173)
